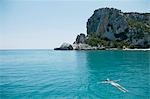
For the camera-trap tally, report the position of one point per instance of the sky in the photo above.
(46, 24)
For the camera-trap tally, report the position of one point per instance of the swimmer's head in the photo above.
(107, 79)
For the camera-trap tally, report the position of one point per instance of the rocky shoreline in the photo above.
(88, 47)
(111, 29)
(78, 47)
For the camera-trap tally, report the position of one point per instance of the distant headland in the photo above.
(109, 28)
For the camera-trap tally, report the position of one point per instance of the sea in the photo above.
(49, 74)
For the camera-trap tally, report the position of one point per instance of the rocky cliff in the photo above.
(113, 28)
(80, 39)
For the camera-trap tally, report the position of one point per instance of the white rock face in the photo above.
(65, 46)
(81, 46)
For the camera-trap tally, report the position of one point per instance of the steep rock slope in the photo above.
(111, 27)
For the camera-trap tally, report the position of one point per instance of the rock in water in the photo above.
(65, 46)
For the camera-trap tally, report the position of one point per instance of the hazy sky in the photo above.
(48, 23)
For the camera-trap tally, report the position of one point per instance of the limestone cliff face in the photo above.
(113, 25)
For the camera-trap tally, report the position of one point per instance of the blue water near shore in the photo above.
(40, 74)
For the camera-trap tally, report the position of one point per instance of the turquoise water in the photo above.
(41, 74)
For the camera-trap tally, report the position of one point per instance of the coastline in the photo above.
(67, 46)
(111, 49)
(148, 49)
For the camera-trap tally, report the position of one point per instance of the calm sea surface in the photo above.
(40, 74)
